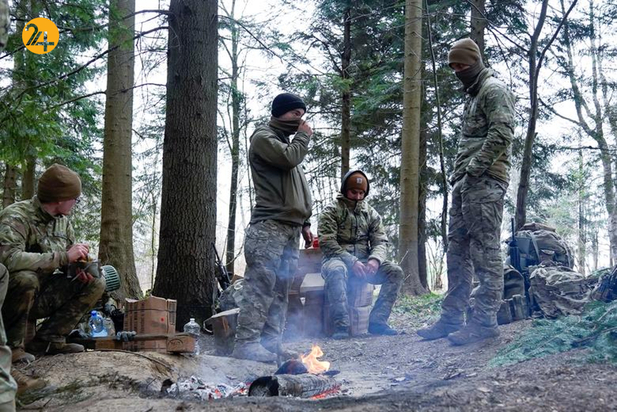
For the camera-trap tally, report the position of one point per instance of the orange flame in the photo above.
(312, 364)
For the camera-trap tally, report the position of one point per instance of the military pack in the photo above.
(538, 276)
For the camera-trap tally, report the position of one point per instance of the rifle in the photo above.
(514, 252)
(221, 274)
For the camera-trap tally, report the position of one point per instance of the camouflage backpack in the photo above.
(539, 244)
(536, 245)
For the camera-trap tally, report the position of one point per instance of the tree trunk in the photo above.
(28, 179)
(422, 269)
(523, 186)
(116, 247)
(478, 24)
(10, 185)
(442, 163)
(346, 95)
(410, 146)
(188, 206)
(596, 132)
(582, 218)
(235, 145)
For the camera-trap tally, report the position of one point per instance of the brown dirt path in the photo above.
(383, 373)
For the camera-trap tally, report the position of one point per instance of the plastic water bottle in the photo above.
(193, 328)
(97, 325)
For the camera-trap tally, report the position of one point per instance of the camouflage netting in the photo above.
(595, 329)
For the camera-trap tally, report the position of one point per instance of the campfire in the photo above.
(308, 377)
(314, 365)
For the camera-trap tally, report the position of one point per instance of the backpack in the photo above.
(538, 245)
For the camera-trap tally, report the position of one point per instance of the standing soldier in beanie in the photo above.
(37, 239)
(480, 180)
(354, 243)
(282, 208)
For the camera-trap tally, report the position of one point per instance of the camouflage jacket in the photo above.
(352, 231)
(281, 190)
(4, 23)
(487, 130)
(32, 239)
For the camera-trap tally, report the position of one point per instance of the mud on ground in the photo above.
(376, 373)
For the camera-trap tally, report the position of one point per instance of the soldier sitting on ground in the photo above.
(354, 243)
(36, 240)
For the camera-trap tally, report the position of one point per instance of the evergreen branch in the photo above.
(266, 47)
(85, 96)
(78, 69)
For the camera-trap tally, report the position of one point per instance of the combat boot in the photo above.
(20, 355)
(340, 333)
(273, 345)
(473, 332)
(253, 351)
(53, 348)
(381, 329)
(439, 330)
(26, 383)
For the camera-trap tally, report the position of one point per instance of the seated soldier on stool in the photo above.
(36, 239)
(354, 243)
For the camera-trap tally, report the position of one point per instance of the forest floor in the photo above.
(376, 373)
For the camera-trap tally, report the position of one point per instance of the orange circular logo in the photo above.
(40, 35)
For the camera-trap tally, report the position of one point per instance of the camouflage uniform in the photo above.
(8, 387)
(33, 244)
(480, 181)
(283, 205)
(349, 231)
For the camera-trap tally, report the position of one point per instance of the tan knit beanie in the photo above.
(58, 183)
(464, 51)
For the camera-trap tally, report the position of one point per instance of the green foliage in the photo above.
(595, 329)
(41, 114)
(418, 310)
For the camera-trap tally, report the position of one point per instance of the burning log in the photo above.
(304, 386)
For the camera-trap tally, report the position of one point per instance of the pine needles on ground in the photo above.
(595, 329)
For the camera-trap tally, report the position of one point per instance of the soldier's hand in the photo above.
(83, 276)
(308, 236)
(78, 251)
(304, 127)
(372, 266)
(359, 269)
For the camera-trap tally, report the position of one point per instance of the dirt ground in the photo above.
(376, 373)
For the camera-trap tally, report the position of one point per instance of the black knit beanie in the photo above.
(286, 102)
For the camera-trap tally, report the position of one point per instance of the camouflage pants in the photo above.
(8, 387)
(335, 273)
(473, 235)
(34, 296)
(271, 252)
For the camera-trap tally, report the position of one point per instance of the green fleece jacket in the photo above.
(32, 239)
(281, 190)
(487, 131)
(352, 230)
